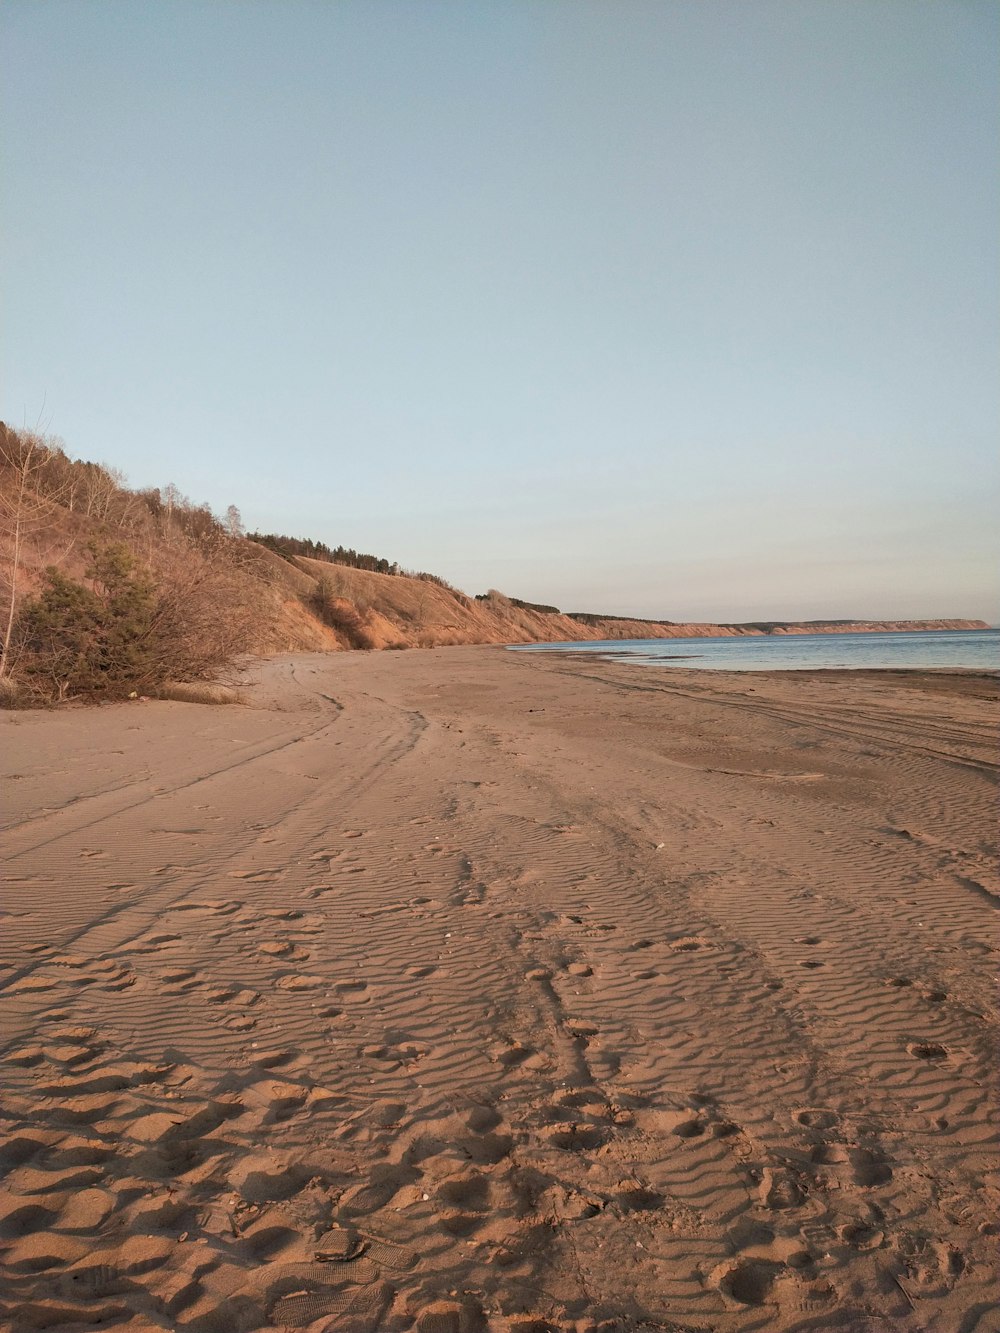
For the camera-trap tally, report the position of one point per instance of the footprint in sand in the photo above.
(833, 1158)
(363, 1305)
(284, 1100)
(573, 1137)
(446, 1316)
(581, 1031)
(483, 1119)
(587, 1099)
(467, 1193)
(690, 1129)
(931, 1051)
(538, 974)
(816, 1117)
(384, 1183)
(89, 1281)
(513, 1055)
(862, 1236)
(385, 1115)
(634, 1197)
(933, 1266)
(747, 1282)
(870, 1167)
(780, 1190)
(267, 1178)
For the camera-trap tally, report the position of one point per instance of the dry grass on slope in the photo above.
(395, 610)
(399, 611)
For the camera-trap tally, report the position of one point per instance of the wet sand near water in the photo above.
(465, 989)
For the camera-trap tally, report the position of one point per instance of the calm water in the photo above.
(976, 649)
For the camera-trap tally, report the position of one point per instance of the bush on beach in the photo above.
(73, 639)
(107, 592)
(125, 631)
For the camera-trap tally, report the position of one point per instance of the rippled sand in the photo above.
(468, 990)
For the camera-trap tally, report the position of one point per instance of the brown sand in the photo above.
(467, 989)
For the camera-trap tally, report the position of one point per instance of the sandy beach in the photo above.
(464, 989)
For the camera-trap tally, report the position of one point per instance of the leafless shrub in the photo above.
(207, 607)
(13, 694)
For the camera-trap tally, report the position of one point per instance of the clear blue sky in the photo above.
(682, 309)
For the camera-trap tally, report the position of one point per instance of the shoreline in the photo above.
(916, 677)
(588, 994)
(722, 654)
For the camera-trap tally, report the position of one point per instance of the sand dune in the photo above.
(472, 990)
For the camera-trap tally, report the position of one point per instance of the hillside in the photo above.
(401, 611)
(108, 590)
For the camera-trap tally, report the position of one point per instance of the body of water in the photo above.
(967, 649)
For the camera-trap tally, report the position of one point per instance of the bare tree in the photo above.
(23, 458)
(171, 498)
(209, 609)
(103, 488)
(234, 522)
